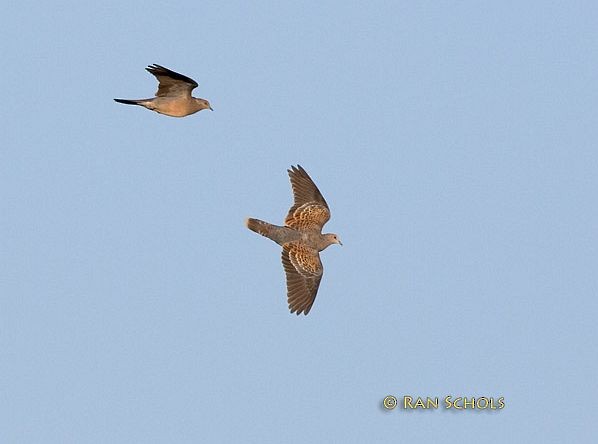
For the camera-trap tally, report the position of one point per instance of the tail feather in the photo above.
(129, 102)
(259, 226)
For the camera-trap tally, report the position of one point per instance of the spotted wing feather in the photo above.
(303, 270)
(310, 210)
(309, 216)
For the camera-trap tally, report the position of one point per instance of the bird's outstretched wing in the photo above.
(171, 83)
(303, 270)
(309, 211)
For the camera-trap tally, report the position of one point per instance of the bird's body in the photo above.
(173, 97)
(301, 239)
(285, 235)
(167, 106)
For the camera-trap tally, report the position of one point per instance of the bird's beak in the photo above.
(211, 109)
(340, 243)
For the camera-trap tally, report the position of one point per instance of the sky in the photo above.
(455, 143)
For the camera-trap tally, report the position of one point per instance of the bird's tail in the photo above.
(260, 227)
(129, 102)
(280, 235)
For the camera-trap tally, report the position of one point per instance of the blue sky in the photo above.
(455, 143)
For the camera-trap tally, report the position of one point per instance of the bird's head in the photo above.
(204, 104)
(332, 238)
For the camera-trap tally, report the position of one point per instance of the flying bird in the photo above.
(173, 97)
(301, 239)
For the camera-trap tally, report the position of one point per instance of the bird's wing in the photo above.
(171, 83)
(309, 211)
(303, 270)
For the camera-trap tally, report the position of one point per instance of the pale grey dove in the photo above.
(173, 97)
(301, 239)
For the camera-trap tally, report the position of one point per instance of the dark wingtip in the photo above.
(294, 168)
(158, 70)
(297, 311)
(297, 170)
(155, 68)
(152, 68)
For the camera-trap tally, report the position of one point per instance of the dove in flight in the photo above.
(173, 97)
(301, 239)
